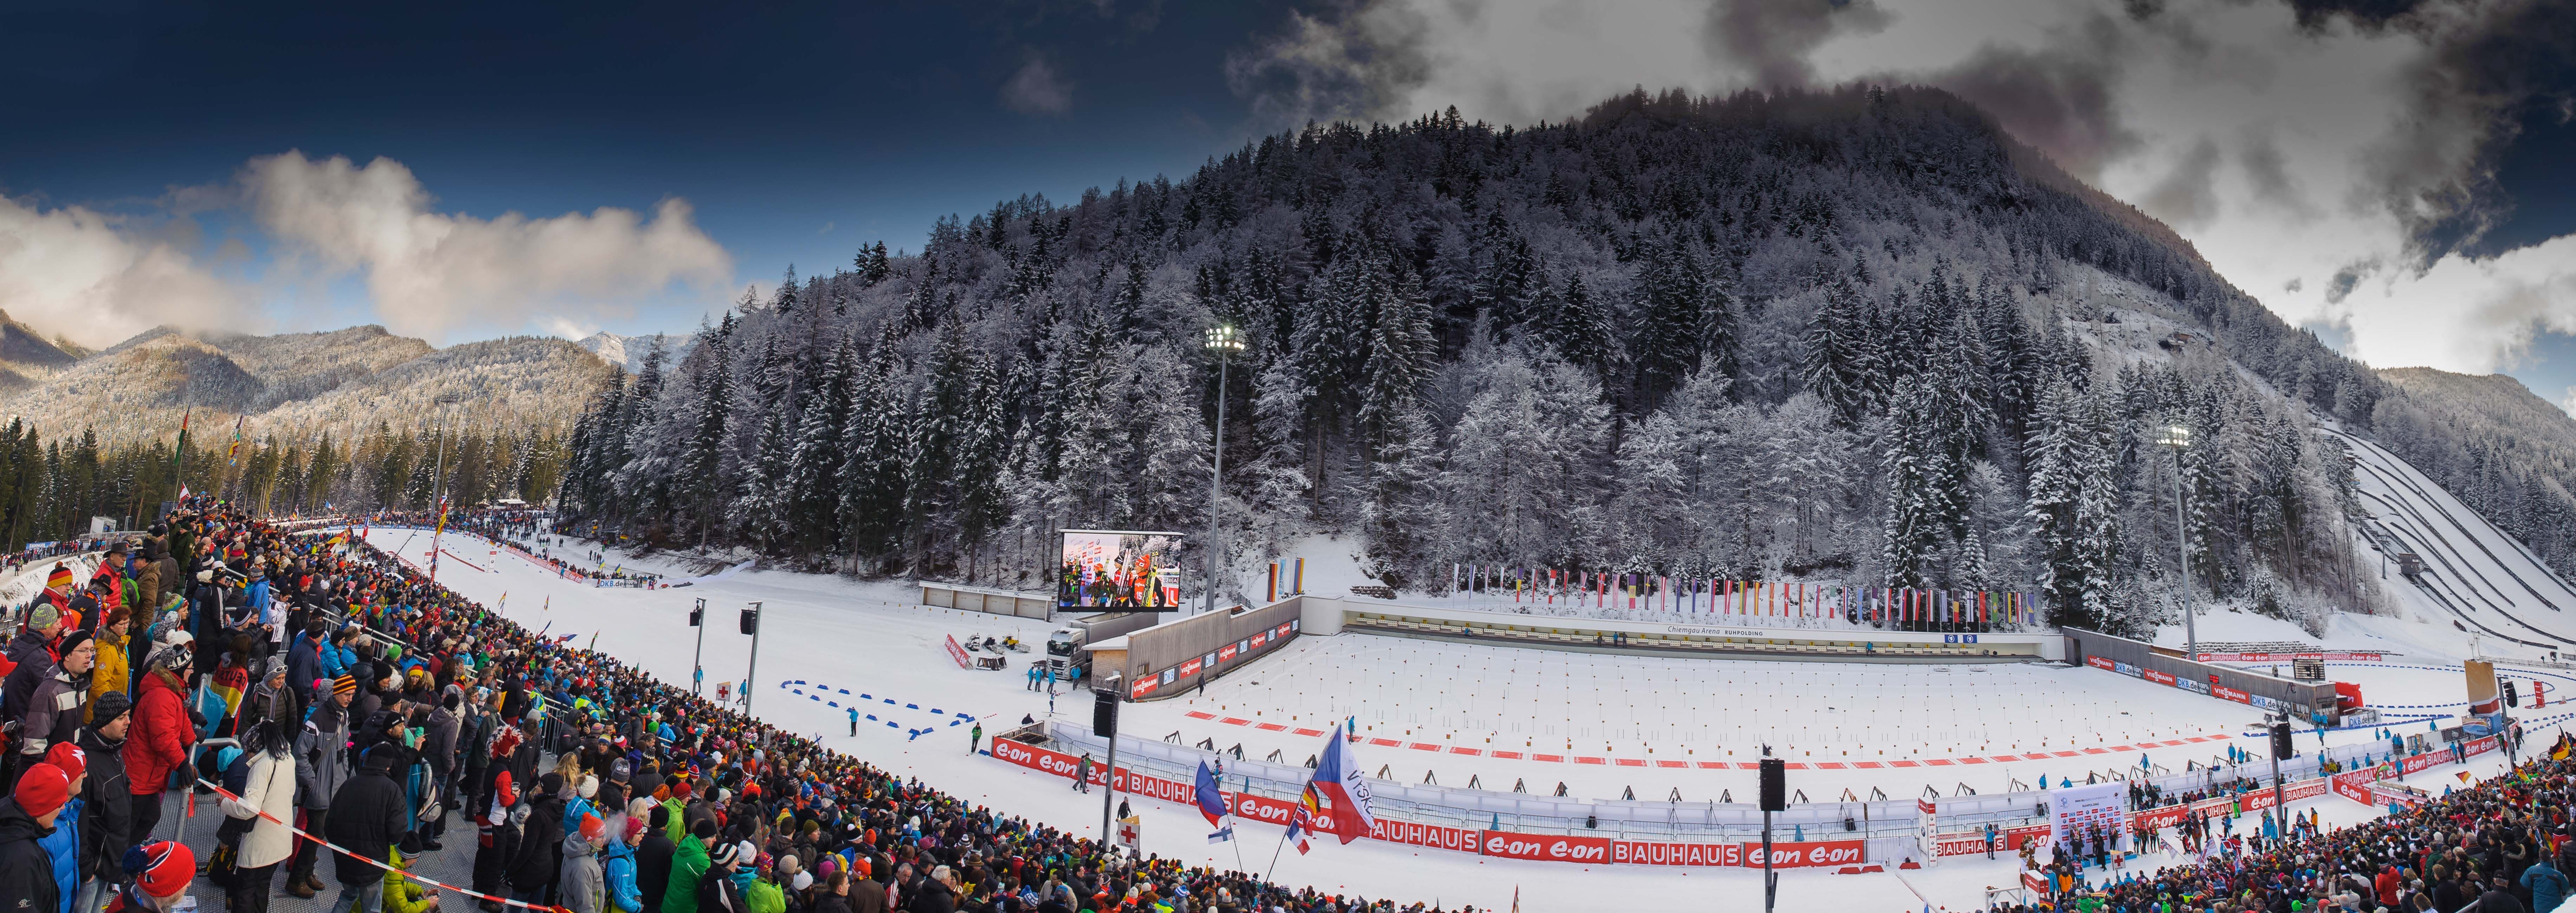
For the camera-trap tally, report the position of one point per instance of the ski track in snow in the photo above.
(878, 643)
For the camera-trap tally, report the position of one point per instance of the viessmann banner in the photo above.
(1500, 844)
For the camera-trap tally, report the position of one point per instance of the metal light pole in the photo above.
(1223, 340)
(438, 489)
(698, 660)
(2178, 438)
(753, 671)
(2280, 732)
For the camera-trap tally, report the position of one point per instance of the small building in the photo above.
(2409, 564)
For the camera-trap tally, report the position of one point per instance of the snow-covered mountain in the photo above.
(346, 382)
(1858, 337)
(628, 351)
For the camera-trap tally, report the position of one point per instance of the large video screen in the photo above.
(1119, 571)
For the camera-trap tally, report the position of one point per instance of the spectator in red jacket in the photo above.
(161, 733)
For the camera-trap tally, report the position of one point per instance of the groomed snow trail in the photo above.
(874, 639)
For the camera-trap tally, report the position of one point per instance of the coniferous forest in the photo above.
(1859, 335)
(49, 489)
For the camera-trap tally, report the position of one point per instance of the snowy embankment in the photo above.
(2480, 590)
(22, 585)
(874, 640)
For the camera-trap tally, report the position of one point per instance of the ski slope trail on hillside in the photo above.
(2473, 571)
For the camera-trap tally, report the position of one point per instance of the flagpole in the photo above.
(1274, 853)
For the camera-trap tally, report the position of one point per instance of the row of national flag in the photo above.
(1337, 792)
(1720, 596)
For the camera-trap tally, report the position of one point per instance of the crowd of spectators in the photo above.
(320, 686)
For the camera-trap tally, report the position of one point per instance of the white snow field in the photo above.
(870, 645)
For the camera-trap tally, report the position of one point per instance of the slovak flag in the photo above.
(1211, 802)
(1338, 780)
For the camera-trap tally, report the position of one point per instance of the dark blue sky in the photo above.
(870, 118)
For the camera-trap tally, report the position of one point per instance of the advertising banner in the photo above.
(2074, 809)
(2355, 784)
(1501, 844)
(1546, 847)
(958, 653)
(2328, 656)
(2482, 687)
(2008, 840)
(1805, 855)
(1630, 852)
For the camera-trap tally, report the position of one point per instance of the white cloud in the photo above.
(1037, 89)
(429, 273)
(2285, 154)
(94, 278)
(99, 278)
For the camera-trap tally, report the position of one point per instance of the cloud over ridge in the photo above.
(2331, 157)
(99, 277)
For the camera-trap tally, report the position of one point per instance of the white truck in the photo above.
(1065, 656)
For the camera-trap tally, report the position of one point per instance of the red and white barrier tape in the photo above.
(378, 863)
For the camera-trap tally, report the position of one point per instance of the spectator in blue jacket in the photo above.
(2547, 884)
(623, 892)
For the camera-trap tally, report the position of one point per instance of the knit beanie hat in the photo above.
(44, 616)
(723, 854)
(162, 870)
(58, 578)
(69, 758)
(592, 828)
(108, 707)
(344, 685)
(43, 790)
(634, 828)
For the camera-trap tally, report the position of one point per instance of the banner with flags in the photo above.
(235, 449)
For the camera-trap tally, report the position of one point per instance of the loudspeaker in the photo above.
(2512, 695)
(750, 621)
(2281, 749)
(1775, 785)
(1104, 713)
(698, 614)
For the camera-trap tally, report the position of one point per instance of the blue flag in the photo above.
(1211, 801)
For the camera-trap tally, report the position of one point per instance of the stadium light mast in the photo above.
(438, 485)
(1223, 340)
(2178, 438)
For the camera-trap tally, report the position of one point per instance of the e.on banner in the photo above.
(1546, 847)
(1503, 844)
(1798, 855)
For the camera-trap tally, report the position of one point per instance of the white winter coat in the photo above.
(271, 789)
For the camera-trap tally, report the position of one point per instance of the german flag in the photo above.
(2559, 751)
